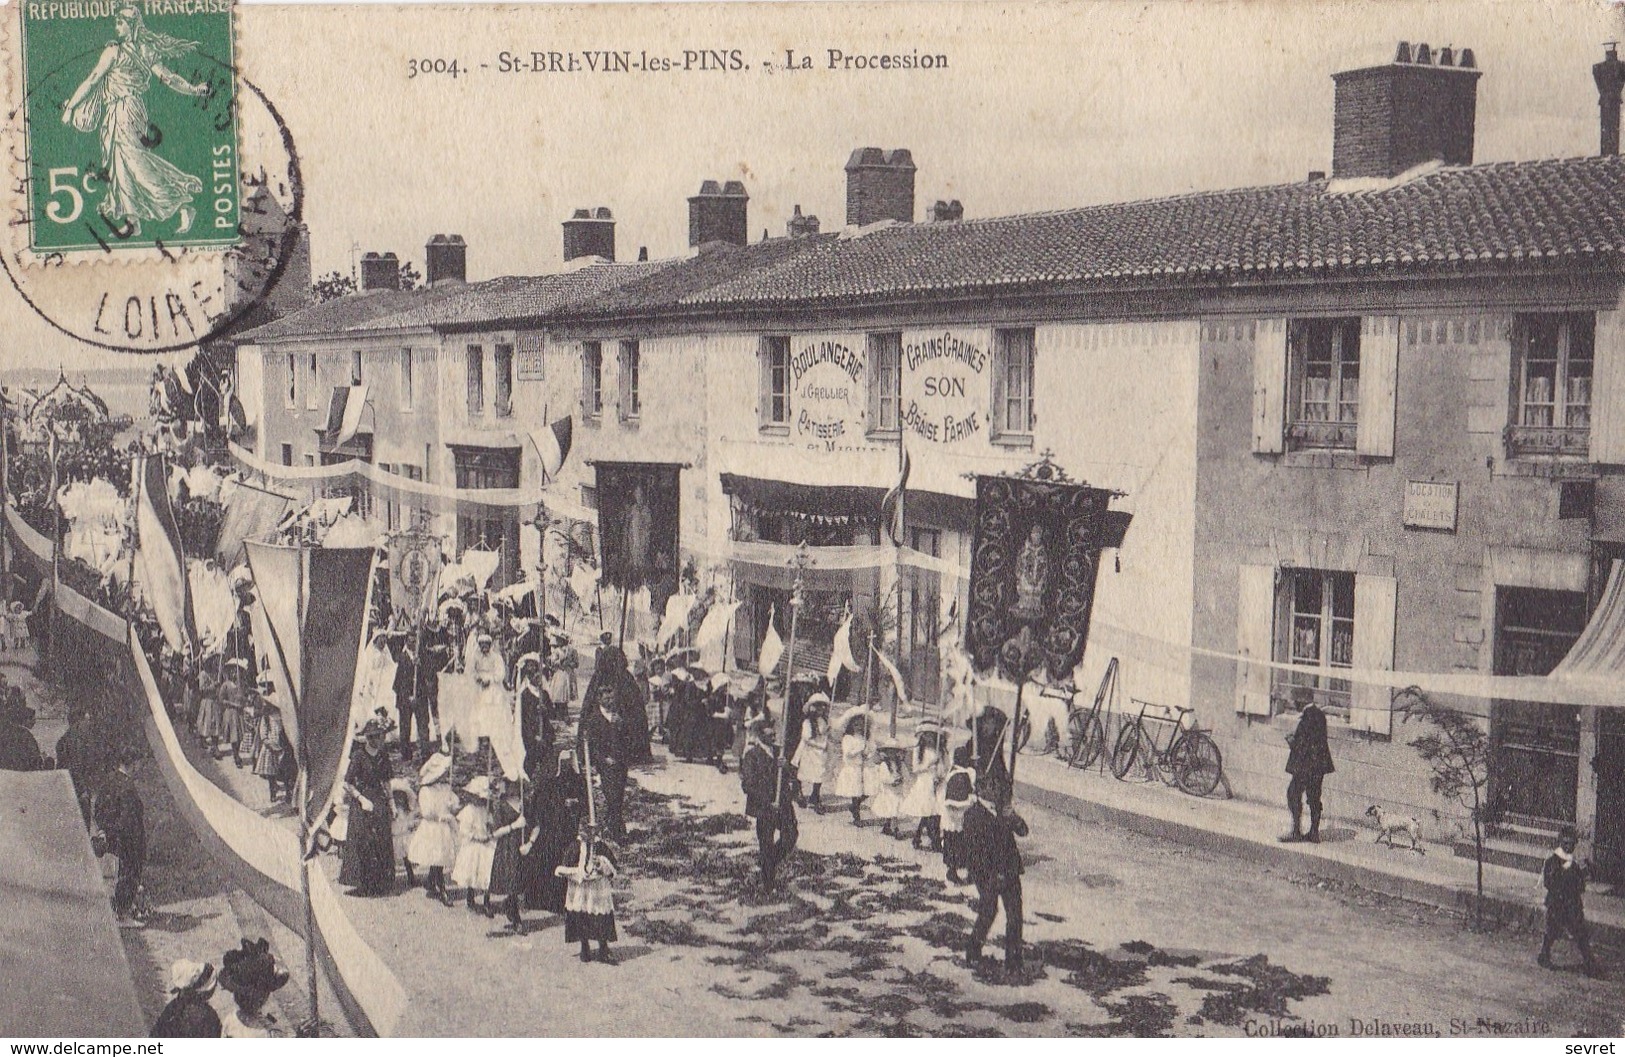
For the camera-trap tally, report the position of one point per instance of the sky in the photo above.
(1042, 106)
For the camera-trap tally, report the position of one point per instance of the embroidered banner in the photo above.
(638, 520)
(1034, 558)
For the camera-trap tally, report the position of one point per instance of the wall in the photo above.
(1453, 386)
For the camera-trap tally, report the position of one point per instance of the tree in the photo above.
(331, 286)
(1459, 752)
(411, 279)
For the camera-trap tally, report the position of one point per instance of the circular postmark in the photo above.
(107, 278)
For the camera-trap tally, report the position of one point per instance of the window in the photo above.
(1324, 399)
(504, 380)
(406, 379)
(476, 380)
(355, 367)
(631, 367)
(885, 382)
(287, 454)
(310, 460)
(1013, 382)
(311, 399)
(1552, 402)
(592, 379)
(1317, 630)
(775, 380)
(292, 400)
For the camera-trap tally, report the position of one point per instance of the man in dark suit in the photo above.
(408, 704)
(994, 863)
(1308, 762)
(763, 775)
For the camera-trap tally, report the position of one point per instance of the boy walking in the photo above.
(1564, 878)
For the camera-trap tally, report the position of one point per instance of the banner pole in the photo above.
(797, 592)
(1015, 742)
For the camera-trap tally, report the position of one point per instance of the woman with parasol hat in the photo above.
(250, 974)
(369, 846)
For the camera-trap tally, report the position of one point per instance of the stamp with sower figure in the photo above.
(131, 124)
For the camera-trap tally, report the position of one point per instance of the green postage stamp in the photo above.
(131, 124)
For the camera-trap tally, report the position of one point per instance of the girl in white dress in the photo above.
(854, 747)
(476, 849)
(434, 842)
(812, 755)
(887, 781)
(921, 801)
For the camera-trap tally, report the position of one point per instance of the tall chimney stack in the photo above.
(1610, 77)
(445, 259)
(380, 271)
(1419, 108)
(590, 233)
(879, 186)
(718, 214)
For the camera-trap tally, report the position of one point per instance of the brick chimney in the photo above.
(946, 212)
(590, 233)
(1610, 77)
(717, 214)
(800, 226)
(445, 259)
(1421, 107)
(380, 271)
(879, 186)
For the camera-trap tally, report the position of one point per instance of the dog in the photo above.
(1389, 824)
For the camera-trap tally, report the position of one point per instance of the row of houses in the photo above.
(1373, 419)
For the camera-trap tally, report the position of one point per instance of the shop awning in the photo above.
(856, 502)
(1599, 652)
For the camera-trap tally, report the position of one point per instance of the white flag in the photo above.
(772, 647)
(840, 653)
(896, 676)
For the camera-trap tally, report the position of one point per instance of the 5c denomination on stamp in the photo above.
(130, 111)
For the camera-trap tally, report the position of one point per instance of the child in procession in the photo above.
(434, 842)
(589, 902)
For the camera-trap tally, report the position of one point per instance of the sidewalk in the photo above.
(1348, 852)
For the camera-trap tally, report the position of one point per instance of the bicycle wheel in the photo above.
(1198, 764)
(1129, 754)
(1085, 739)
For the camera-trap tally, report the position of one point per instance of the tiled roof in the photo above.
(514, 298)
(1560, 211)
(346, 313)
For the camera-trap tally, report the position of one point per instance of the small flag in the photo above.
(354, 399)
(553, 445)
(896, 676)
(891, 507)
(772, 646)
(840, 653)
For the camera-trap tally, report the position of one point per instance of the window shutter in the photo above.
(1255, 636)
(1608, 389)
(1379, 382)
(1269, 386)
(764, 382)
(1374, 604)
(1001, 366)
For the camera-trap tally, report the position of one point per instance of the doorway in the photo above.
(1536, 759)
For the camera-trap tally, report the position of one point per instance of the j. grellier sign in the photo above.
(945, 386)
(828, 377)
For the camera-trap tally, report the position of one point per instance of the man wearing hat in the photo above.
(19, 751)
(1309, 761)
(188, 1014)
(764, 775)
(994, 864)
(119, 814)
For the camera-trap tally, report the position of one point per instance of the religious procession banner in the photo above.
(414, 565)
(1034, 558)
(638, 521)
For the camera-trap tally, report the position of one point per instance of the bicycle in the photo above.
(1085, 732)
(1191, 760)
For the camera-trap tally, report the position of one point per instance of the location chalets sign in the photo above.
(946, 386)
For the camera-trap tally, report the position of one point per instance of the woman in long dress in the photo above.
(141, 186)
(552, 815)
(507, 833)
(369, 845)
